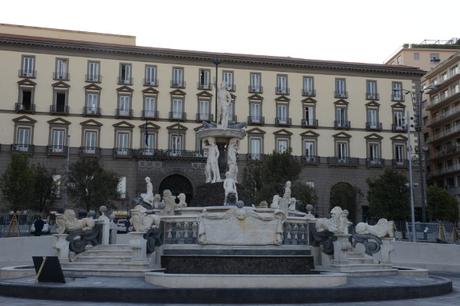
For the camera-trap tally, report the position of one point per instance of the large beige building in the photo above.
(443, 124)
(138, 109)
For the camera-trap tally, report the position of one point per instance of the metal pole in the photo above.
(66, 175)
(411, 184)
(421, 152)
(216, 62)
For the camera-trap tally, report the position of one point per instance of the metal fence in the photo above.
(441, 232)
(22, 227)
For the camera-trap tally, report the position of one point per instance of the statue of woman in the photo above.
(212, 163)
(230, 187)
(225, 101)
(148, 196)
(232, 150)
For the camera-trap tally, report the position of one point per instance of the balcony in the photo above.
(446, 133)
(177, 84)
(122, 153)
(204, 86)
(341, 94)
(283, 121)
(396, 128)
(145, 153)
(61, 76)
(373, 126)
(446, 170)
(150, 114)
(283, 91)
(59, 109)
(440, 101)
(342, 125)
(399, 163)
(24, 108)
(90, 151)
(255, 156)
(125, 81)
(57, 150)
(93, 78)
(397, 97)
(156, 154)
(310, 160)
(308, 92)
(447, 151)
(200, 117)
(255, 89)
(342, 161)
(28, 74)
(150, 82)
(22, 148)
(372, 96)
(91, 111)
(309, 123)
(256, 120)
(177, 116)
(375, 163)
(124, 113)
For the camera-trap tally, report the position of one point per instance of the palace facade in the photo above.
(66, 94)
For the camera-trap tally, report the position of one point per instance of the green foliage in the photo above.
(345, 196)
(17, 183)
(388, 196)
(305, 194)
(264, 178)
(90, 185)
(44, 195)
(441, 205)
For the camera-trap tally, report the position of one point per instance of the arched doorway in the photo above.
(177, 184)
(344, 195)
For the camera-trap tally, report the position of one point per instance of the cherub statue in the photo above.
(182, 201)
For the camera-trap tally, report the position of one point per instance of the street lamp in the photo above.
(66, 175)
(411, 183)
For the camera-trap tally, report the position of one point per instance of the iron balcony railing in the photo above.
(157, 154)
(59, 109)
(397, 97)
(93, 78)
(373, 126)
(29, 74)
(124, 113)
(91, 111)
(374, 162)
(310, 160)
(61, 76)
(125, 81)
(399, 163)
(341, 94)
(90, 151)
(151, 82)
(343, 161)
(309, 123)
(22, 148)
(24, 108)
(150, 114)
(203, 117)
(256, 120)
(122, 153)
(204, 86)
(177, 84)
(396, 128)
(309, 92)
(282, 91)
(372, 96)
(283, 121)
(342, 124)
(57, 150)
(177, 116)
(255, 89)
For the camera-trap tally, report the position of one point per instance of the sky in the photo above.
(342, 30)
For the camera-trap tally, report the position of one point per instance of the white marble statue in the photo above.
(229, 186)
(182, 201)
(225, 103)
(212, 164)
(68, 222)
(147, 197)
(232, 151)
(157, 201)
(383, 228)
(292, 204)
(275, 202)
(338, 222)
(309, 209)
(169, 202)
(143, 219)
(287, 190)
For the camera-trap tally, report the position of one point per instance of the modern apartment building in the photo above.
(443, 124)
(67, 94)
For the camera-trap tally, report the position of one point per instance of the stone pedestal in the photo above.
(341, 246)
(138, 245)
(386, 249)
(62, 247)
(105, 221)
(113, 233)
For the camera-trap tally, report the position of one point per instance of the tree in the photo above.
(265, 178)
(17, 182)
(441, 205)
(388, 196)
(44, 193)
(90, 185)
(344, 195)
(305, 194)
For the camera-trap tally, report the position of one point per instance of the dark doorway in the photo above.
(177, 184)
(344, 195)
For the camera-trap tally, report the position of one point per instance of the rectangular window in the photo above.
(57, 140)
(92, 102)
(256, 112)
(150, 75)
(372, 118)
(177, 77)
(125, 74)
(342, 151)
(309, 115)
(176, 144)
(255, 147)
(204, 79)
(308, 86)
(23, 139)
(281, 84)
(434, 57)
(398, 119)
(228, 80)
(26, 98)
(374, 152)
(203, 110)
(124, 105)
(453, 71)
(62, 69)
(416, 56)
(371, 90)
(177, 108)
(255, 82)
(93, 73)
(149, 143)
(309, 149)
(399, 150)
(122, 143)
(341, 116)
(60, 101)
(396, 91)
(90, 142)
(282, 113)
(282, 145)
(340, 88)
(149, 106)
(28, 66)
